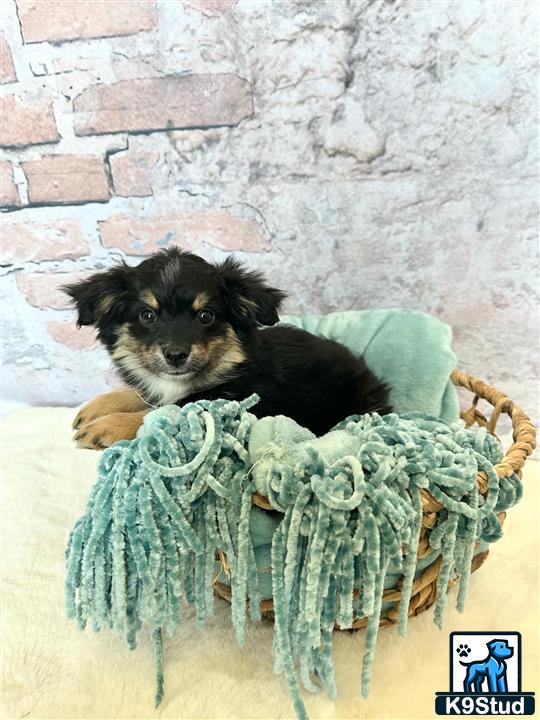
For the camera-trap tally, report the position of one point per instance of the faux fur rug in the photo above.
(52, 670)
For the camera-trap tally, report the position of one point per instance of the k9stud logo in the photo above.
(485, 676)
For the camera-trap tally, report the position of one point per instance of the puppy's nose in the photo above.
(175, 356)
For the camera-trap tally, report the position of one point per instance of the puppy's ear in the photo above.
(251, 300)
(99, 295)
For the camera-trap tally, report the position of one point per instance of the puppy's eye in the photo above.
(147, 316)
(206, 317)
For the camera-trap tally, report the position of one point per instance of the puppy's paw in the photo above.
(117, 401)
(105, 431)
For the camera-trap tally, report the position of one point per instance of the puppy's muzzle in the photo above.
(176, 355)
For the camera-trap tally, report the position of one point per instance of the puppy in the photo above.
(181, 329)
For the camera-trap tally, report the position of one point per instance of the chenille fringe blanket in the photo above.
(168, 503)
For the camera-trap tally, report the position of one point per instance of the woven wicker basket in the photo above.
(424, 588)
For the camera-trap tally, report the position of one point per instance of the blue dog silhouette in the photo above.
(492, 669)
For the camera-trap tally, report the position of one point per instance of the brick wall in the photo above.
(361, 153)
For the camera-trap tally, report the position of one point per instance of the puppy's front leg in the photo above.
(105, 431)
(125, 400)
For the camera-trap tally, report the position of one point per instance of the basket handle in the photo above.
(524, 433)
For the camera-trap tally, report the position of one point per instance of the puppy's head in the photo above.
(176, 320)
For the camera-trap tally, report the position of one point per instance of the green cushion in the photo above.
(408, 349)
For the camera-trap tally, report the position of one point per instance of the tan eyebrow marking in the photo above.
(200, 301)
(149, 298)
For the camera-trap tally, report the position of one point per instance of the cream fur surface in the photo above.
(52, 670)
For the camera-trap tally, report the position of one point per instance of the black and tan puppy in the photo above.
(181, 329)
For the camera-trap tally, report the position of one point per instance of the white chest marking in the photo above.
(161, 390)
(167, 390)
